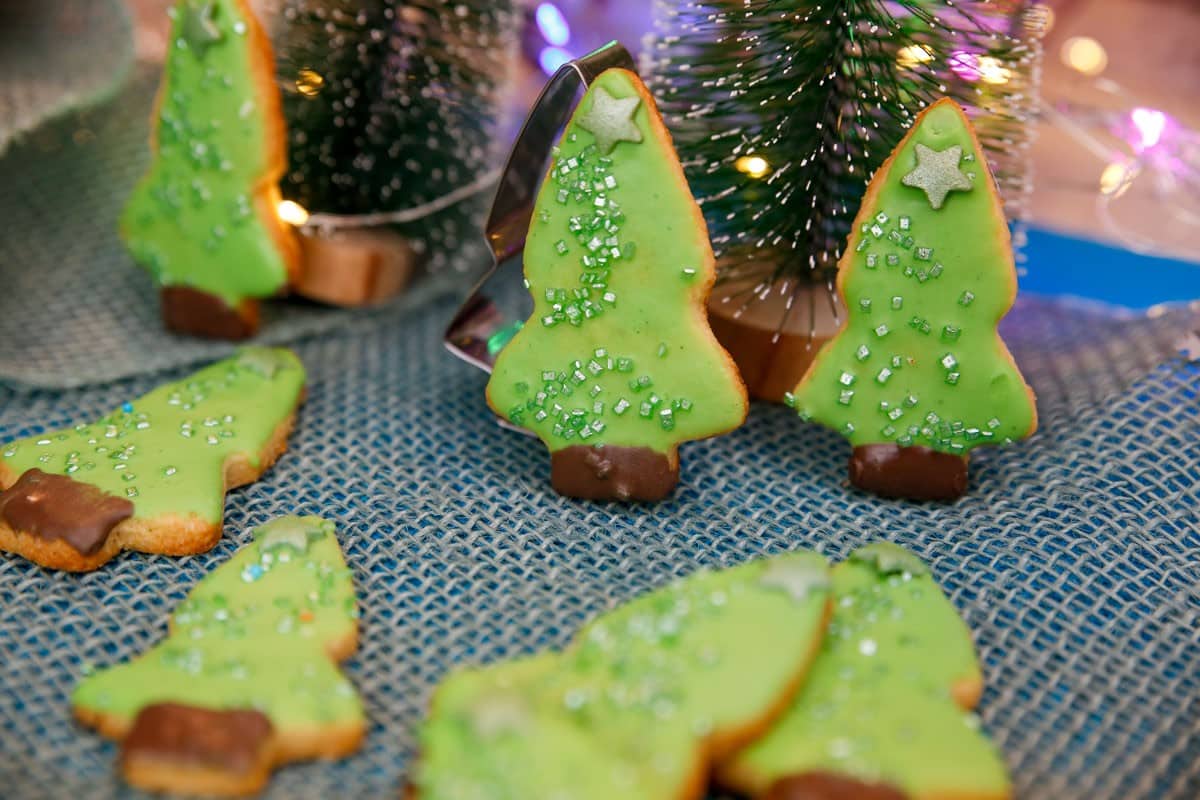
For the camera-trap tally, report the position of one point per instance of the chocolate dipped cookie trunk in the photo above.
(246, 679)
(617, 356)
(55, 507)
(151, 475)
(213, 751)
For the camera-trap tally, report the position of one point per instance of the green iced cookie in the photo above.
(259, 636)
(617, 366)
(885, 700)
(641, 700)
(203, 220)
(918, 376)
(151, 475)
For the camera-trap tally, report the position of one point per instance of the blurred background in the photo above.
(1116, 158)
(1113, 208)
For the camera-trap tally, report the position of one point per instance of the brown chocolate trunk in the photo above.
(606, 472)
(354, 268)
(830, 786)
(198, 313)
(772, 345)
(229, 741)
(909, 473)
(57, 507)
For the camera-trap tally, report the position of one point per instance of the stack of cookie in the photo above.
(777, 679)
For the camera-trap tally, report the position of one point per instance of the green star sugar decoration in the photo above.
(797, 577)
(890, 559)
(610, 120)
(937, 174)
(500, 713)
(266, 362)
(199, 28)
(294, 532)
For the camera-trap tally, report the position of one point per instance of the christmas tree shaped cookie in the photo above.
(246, 679)
(203, 221)
(617, 365)
(640, 704)
(152, 475)
(918, 376)
(883, 712)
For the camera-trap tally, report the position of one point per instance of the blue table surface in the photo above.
(1062, 265)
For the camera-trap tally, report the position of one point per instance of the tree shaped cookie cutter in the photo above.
(485, 323)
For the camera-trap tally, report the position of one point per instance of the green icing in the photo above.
(877, 705)
(617, 350)
(918, 361)
(496, 736)
(890, 559)
(253, 634)
(193, 220)
(624, 710)
(166, 450)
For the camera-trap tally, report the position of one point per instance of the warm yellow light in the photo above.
(1084, 54)
(754, 166)
(292, 213)
(1116, 178)
(991, 70)
(309, 82)
(914, 54)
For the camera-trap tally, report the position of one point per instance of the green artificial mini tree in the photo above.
(617, 366)
(392, 104)
(918, 375)
(783, 109)
(204, 221)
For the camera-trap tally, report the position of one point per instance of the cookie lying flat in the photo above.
(642, 702)
(882, 714)
(152, 475)
(203, 221)
(246, 680)
(617, 365)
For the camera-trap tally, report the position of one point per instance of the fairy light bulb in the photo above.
(992, 70)
(1116, 178)
(309, 82)
(754, 166)
(292, 213)
(914, 54)
(1084, 55)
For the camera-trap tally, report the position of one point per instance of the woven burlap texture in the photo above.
(1075, 559)
(92, 43)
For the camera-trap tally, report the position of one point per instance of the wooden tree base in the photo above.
(908, 473)
(198, 313)
(353, 268)
(772, 360)
(607, 472)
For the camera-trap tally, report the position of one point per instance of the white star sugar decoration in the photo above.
(937, 174)
(610, 120)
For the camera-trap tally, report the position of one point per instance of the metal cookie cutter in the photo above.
(482, 325)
